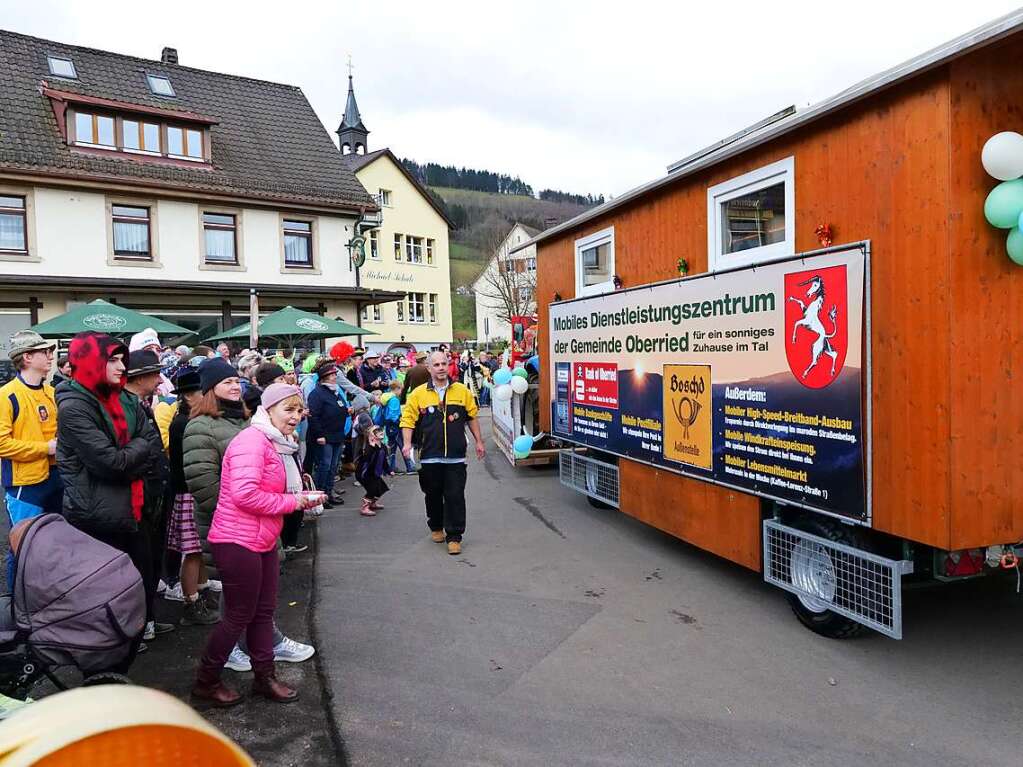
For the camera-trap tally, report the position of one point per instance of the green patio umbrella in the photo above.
(104, 317)
(293, 325)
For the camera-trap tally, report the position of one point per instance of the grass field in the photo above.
(465, 263)
(463, 315)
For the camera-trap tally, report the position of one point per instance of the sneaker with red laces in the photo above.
(367, 509)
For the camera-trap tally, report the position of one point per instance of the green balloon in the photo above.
(1014, 245)
(1004, 204)
(522, 373)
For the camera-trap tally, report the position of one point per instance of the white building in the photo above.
(507, 282)
(406, 251)
(168, 189)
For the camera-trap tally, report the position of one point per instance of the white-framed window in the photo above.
(752, 218)
(530, 264)
(397, 247)
(429, 252)
(433, 307)
(414, 249)
(374, 244)
(525, 294)
(384, 198)
(417, 307)
(401, 310)
(365, 314)
(378, 315)
(595, 263)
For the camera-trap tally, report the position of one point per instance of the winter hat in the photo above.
(248, 362)
(213, 371)
(268, 372)
(89, 354)
(421, 356)
(363, 423)
(274, 393)
(186, 380)
(325, 368)
(360, 403)
(371, 355)
(141, 340)
(27, 341)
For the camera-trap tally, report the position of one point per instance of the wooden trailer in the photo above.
(892, 167)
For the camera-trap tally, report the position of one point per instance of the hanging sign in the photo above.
(752, 378)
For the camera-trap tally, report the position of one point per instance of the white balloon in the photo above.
(503, 392)
(519, 385)
(1002, 155)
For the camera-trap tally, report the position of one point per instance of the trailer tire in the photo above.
(592, 481)
(821, 620)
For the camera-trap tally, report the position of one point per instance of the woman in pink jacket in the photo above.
(260, 483)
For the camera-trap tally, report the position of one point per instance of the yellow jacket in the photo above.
(28, 421)
(164, 413)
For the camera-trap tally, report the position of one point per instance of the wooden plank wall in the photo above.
(881, 171)
(986, 311)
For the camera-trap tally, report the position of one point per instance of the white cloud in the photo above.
(586, 97)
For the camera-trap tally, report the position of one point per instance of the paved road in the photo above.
(570, 636)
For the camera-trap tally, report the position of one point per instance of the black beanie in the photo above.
(267, 373)
(213, 371)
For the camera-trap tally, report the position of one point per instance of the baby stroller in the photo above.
(76, 602)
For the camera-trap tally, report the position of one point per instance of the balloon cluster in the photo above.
(1002, 158)
(508, 382)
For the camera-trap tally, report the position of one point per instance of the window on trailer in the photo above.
(750, 219)
(595, 263)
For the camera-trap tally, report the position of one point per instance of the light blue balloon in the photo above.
(1004, 204)
(502, 376)
(1014, 246)
(520, 372)
(523, 444)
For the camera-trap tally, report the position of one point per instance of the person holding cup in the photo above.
(260, 483)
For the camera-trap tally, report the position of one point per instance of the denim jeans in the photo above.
(328, 458)
(394, 443)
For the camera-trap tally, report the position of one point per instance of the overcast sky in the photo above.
(579, 96)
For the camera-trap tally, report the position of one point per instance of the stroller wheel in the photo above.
(105, 677)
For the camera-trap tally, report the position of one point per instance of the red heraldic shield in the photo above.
(816, 325)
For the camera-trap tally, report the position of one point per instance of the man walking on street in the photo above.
(442, 409)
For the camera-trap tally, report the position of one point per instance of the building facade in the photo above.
(171, 190)
(506, 286)
(407, 251)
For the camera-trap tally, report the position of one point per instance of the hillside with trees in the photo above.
(483, 206)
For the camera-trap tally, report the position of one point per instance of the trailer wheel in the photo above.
(593, 480)
(811, 568)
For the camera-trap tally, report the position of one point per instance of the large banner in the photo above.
(751, 378)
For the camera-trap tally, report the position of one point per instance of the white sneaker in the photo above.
(213, 585)
(174, 593)
(238, 660)
(293, 652)
(150, 633)
(161, 586)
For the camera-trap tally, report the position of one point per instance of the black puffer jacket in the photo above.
(97, 474)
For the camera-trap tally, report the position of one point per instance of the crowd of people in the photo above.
(202, 464)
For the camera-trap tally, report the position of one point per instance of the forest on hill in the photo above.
(483, 205)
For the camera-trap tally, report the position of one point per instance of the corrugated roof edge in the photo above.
(980, 37)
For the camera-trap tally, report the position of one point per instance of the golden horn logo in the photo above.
(686, 410)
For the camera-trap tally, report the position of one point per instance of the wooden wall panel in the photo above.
(879, 170)
(986, 311)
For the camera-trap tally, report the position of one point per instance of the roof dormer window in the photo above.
(160, 85)
(61, 67)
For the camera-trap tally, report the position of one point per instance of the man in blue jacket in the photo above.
(326, 435)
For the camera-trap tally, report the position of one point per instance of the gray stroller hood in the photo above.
(79, 601)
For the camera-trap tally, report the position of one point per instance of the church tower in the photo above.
(352, 133)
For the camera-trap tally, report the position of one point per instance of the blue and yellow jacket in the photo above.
(28, 421)
(441, 425)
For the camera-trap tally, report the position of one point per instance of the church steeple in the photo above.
(352, 133)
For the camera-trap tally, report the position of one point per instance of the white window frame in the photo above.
(374, 244)
(384, 197)
(761, 178)
(604, 236)
(377, 313)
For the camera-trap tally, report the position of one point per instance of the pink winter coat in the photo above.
(253, 502)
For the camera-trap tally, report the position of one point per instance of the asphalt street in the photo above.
(571, 636)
